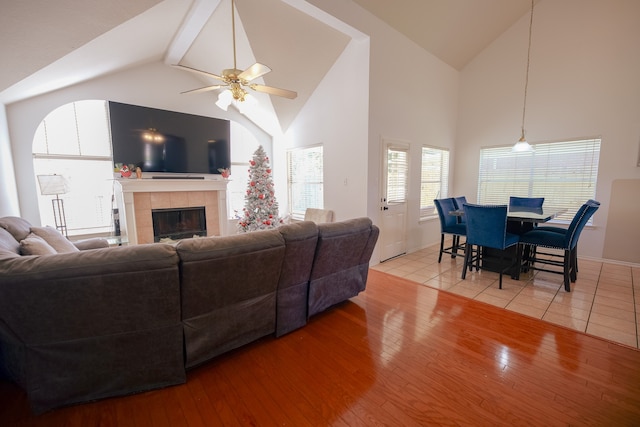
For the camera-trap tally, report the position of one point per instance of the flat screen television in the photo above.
(167, 141)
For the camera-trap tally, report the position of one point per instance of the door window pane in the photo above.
(397, 168)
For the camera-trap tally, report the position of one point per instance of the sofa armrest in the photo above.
(94, 243)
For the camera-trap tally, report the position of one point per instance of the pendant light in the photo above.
(522, 145)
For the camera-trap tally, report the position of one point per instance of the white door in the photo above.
(395, 171)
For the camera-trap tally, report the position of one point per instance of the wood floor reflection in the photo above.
(399, 354)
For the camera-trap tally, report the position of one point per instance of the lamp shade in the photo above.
(53, 184)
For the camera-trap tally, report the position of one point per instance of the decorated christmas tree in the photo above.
(260, 210)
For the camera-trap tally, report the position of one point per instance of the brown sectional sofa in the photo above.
(103, 322)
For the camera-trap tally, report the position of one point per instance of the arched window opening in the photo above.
(74, 141)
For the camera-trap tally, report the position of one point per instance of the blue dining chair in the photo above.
(449, 225)
(567, 242)
(526, 202)
(520, 227)
(487, 228)
(460, 201)
(563, 231)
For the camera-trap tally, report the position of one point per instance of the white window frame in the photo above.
(563, 172)
(434, 172)
(305, 179)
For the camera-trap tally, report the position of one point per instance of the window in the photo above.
(242, 149)
(73, 141)
(305, 180)
(434, 179)
(564, 173)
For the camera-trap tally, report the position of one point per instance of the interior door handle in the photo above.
(385, 208)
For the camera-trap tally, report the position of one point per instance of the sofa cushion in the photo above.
(91, 243)
(341, 261)
(35, 245)
(8, 242)
(55, 239)
(228, 287)
(18, 227)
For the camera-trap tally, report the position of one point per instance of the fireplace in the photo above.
(180, 223)
(136, 198)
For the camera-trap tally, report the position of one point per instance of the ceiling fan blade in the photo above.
(204, 89)
(202, 73)
(274, 91)
(253, 72)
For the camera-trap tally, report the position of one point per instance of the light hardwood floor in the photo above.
(398, 354)
(604, 301)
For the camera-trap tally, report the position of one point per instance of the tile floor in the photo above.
(604, 301)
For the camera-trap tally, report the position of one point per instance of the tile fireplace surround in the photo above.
(137, 197)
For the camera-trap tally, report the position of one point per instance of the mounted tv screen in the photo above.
(167, 141)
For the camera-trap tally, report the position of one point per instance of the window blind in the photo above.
(564, 173)
(396, 175)
(434, 181)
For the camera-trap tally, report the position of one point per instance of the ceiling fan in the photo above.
(237, 80)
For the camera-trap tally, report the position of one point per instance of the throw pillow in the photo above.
(35, 245)
(54, 238)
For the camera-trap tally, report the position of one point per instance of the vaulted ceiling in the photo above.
(43, 40)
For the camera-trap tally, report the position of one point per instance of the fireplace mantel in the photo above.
(137, 197)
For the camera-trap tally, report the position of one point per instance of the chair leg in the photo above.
(567, 268)
(454, 246)
(441, 247)
(467, 260)
(574, 264)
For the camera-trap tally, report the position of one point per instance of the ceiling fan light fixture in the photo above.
(237, 91)
(224, 100)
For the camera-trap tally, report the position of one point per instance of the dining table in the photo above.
(534, 215)
(493, 259)
(524, 214)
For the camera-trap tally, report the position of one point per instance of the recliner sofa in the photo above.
(109, 321)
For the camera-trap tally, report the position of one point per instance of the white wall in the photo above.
(412, 97)
(9, 205)
(336, 116)
(153, 85)
(584, 82)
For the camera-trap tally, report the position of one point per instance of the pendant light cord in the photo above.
(526, 78)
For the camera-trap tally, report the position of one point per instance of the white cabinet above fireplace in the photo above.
(137, 197)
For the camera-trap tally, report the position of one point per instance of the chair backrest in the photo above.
(526, 202)
(486, 225)
(318, 216)
(444, 206)
(580, 219)
(460, 201)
